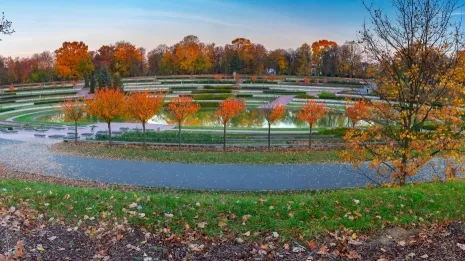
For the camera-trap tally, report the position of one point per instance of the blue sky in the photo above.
(45, 24)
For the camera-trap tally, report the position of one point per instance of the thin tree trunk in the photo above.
(143, 131)
(179, 133)
(75, 132)
(109, 133)
(269, 135)
(310, 137)
(224, 138)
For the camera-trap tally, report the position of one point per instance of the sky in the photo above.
(46, 24)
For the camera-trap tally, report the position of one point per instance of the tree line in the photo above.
(73, 60)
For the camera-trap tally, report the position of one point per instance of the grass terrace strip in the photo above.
(200, 155)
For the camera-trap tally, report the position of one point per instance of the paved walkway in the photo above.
(281, 100)
(36, 158)
(55, 134)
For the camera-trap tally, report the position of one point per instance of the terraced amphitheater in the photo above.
(32, 111)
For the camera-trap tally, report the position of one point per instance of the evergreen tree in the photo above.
(117, 83)
(104, 77)
(235, 65)
(92, 84)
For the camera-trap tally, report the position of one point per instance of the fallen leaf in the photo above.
(461, 246)
(312, 245)
(202, 224)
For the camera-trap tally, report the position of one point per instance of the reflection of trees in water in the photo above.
(248, 119)
(59, 117)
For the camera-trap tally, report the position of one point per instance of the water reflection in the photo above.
(251, 118)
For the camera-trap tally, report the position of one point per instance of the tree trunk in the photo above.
(224, 138)
(310, 137)
(269, 136)
(143, 133)
(109, 133)
(75, 132)
(179, 133)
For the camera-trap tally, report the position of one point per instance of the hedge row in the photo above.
(213, 96)
(6, 109)
(304, 96)
(47, 102)
(212, 91)
(209, 87)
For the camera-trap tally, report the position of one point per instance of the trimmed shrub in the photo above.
(212, 91)
(47, 102)
(213, 96)
(209, 104)
(209, 87)
(304, 96)
(6, 109)
(327, 95)
(338, 132)
(244, 95)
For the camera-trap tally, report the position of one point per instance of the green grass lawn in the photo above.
(18, 113)
(206, 157)
(294, 215)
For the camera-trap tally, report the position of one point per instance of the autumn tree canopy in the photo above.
(357, 111)
(143, 106)
(73, 60)
(272, 113)
(189, 56)
(227, 110)
(108, 105)
(417, 82)
(73, 111)
(310, 113)
(180, 108)
(127, 58)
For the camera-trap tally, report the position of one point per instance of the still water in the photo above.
(250, 118)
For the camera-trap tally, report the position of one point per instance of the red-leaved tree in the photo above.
(311, 112)
(180, 108)
(227, 110)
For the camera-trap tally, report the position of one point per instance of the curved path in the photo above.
(36, 158)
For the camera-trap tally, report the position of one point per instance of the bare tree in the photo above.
(5, 26)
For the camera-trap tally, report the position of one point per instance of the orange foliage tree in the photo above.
(73, 60)
(318, 48)
(254, 78)
(11, 88)
(307, 80)
(180, 108)
(127, 56)
(357, 111)
(73, 110)
(227, 110)
(108, 104)
(272, 113)
(218, 77)
(141, 106)
(311, 112)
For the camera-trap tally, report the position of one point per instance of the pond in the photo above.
(250, 118)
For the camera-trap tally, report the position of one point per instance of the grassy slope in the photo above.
(185, 156)
(298, 215)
